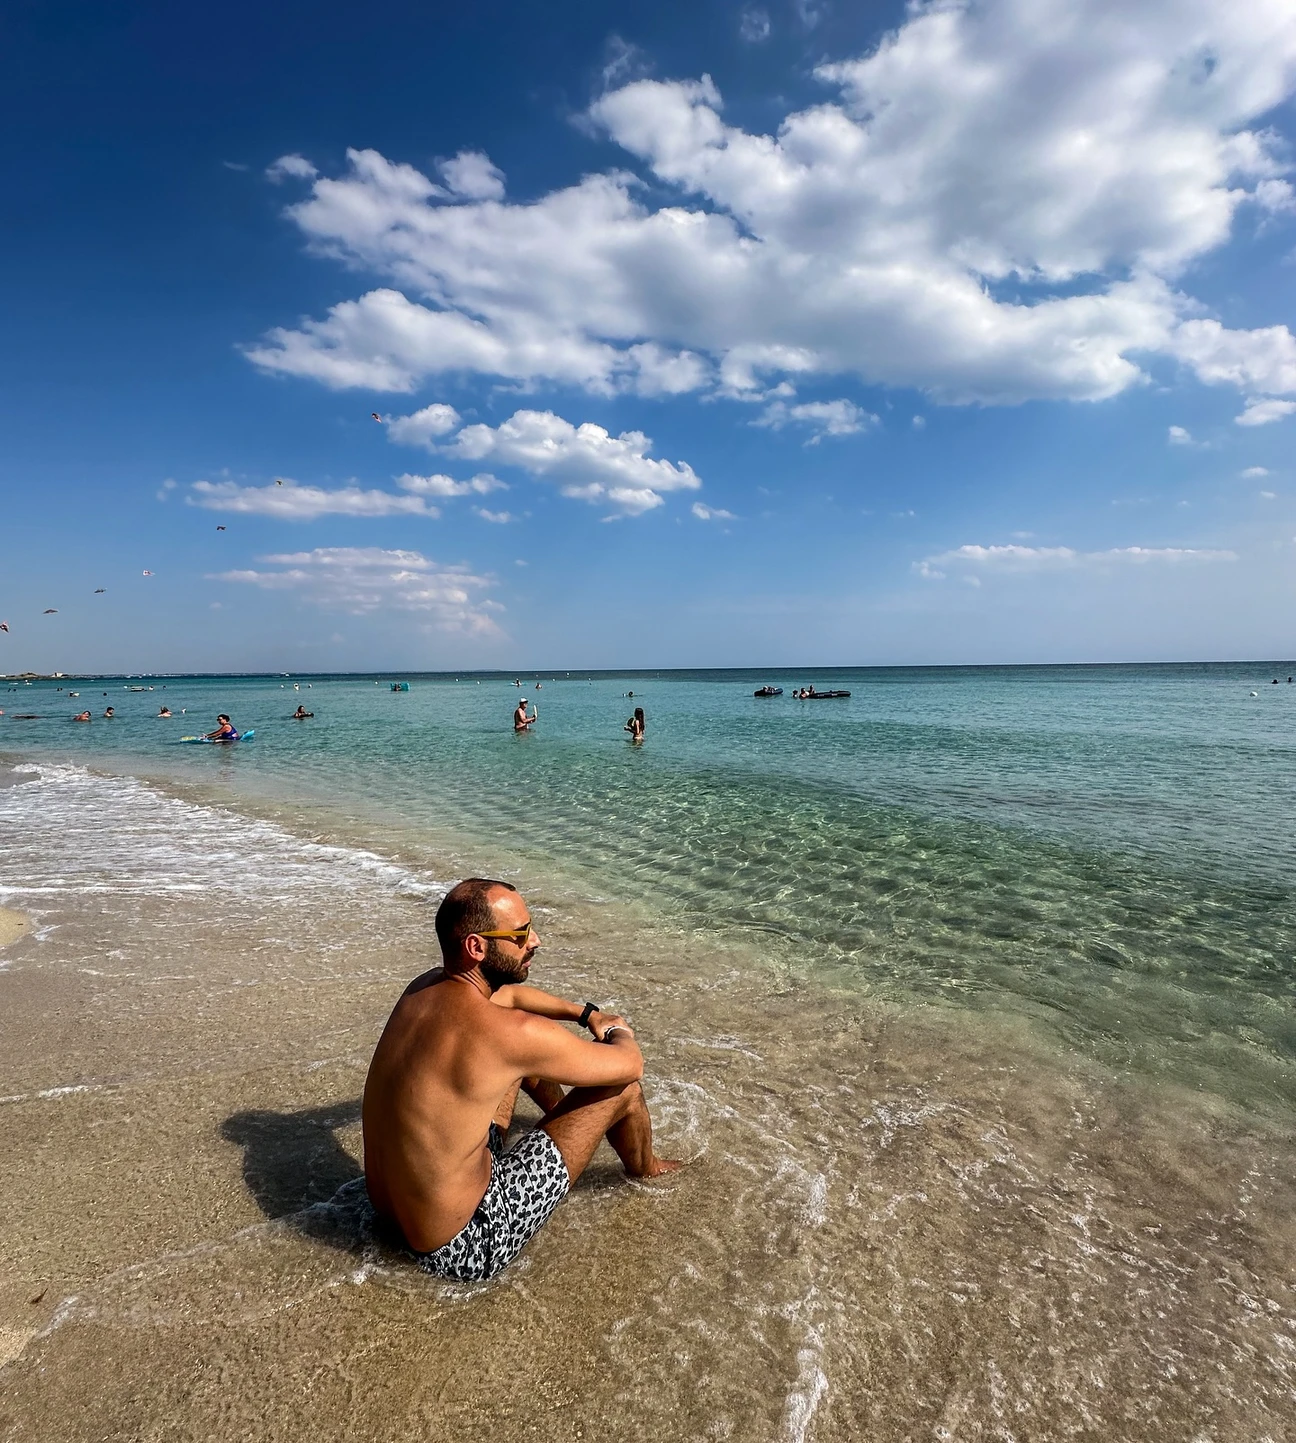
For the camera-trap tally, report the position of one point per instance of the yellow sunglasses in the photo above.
(517, 935)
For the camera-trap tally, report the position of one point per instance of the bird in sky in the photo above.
(220, 528)
(51, 611)
(148, 573)
(375, 415)
(99, 590)
(4, 626)
(278, 481)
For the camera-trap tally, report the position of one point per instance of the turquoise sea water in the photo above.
(1105, 852)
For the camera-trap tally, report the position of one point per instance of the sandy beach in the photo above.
(893, 1225)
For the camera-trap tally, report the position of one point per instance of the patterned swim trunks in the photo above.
(527, 1182)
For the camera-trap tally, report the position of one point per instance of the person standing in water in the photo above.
(521, 721)
(635, 726)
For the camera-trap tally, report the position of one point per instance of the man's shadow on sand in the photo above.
(298, 1171)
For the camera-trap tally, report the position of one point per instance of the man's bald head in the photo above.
(467, 908)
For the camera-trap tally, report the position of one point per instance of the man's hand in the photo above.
(600, 1022)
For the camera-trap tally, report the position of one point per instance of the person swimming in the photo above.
(164, 711)
(635, 726)
(301, 714)
(109, 713)
(82, 716)
(224, 730)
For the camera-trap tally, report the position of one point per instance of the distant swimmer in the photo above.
(301, 714)
(224, 730)
(522, 722)
(164, 712)
(635, 726)
(82, 716)
(109, 713)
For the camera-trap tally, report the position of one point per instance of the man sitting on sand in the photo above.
(446, 1073)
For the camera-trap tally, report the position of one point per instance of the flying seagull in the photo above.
(278, 481)
(375, 415)
(4, 626)
(51, 611)
(220, 528)
(99, 590)
(147, 573)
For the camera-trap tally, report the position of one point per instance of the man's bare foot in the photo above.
(659, 1167)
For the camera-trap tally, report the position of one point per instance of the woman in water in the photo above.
(635, 726)
(224, 730)
(301, 714)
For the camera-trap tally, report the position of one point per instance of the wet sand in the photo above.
(895, 1224)
(13, 924)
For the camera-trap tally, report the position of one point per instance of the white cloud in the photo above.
(1268, 495)
(500, 518)
(1058, 558)
(1177, 436)
(295, 167)
(425, 426)
(365, 579)
(166, 488)
(825, 418)
(1255, 472)
(1263, 413)
(754, 26)
(471, 175)
(919, 423)
(481, 485)
(288, 501)
(996, 203)
(586, 461)
(711, 513)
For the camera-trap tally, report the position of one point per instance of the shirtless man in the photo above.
(446, 1073)
(522, 722)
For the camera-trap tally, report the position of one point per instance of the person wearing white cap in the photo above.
(521, 721)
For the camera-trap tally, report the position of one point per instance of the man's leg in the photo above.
(588, 1114)
(546, 1096)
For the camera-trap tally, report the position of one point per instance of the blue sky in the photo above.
(787, 333)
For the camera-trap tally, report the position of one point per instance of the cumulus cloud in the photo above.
(1255, 472)
(481, 485)
(969, 559)
(1179, 436)
(500, 518)
(997, 203)
(366, 579)
(1264, 413)
(711, 513)
(424, 427)
(825, 418)
(472, 175)
(290, 167)
(586, 461)
(288, 501)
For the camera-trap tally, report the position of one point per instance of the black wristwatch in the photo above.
(586, 1010)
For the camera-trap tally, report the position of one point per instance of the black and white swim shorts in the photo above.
(527, 1183)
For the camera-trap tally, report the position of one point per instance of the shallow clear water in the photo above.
(1107, 851)
(968, 1000)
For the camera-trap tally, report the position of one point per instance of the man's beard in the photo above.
(502, 971)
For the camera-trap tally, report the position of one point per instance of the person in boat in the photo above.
(82, 716)
(224, 730)
(301, 714)
(439, 1097)
(521, 721)
(635, 726)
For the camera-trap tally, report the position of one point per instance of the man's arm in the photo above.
(539, 1047)
(522, 998)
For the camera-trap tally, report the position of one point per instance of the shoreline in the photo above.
(902, 1214)
(13, 925)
